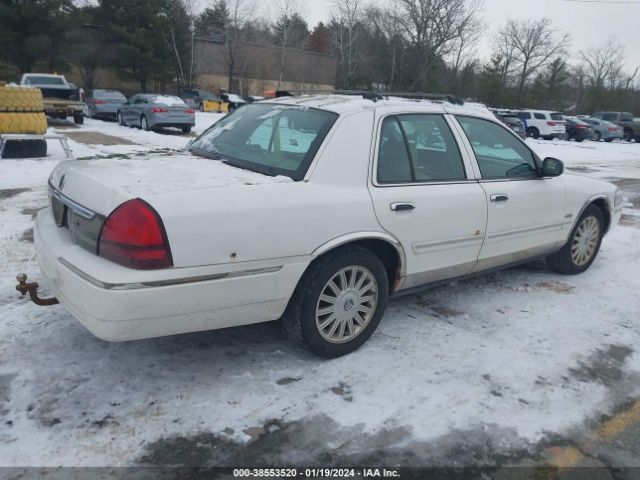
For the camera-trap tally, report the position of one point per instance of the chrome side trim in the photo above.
(75, 206)
(168, 282)
(508, 233)
(419, 248)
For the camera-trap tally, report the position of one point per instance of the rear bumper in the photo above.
(211, 298)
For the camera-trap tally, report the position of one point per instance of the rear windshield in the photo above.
(267, 138)
(168, 100)
(609, 116)
(110, 95)
(44, 81)
(557, 116)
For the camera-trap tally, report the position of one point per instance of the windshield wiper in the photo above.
(263, 169)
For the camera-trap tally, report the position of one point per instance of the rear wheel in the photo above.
(185, 129)
(533, 132)
(120, 119)
(627, 135)
(598, 137)
(338, 303)
(583, 245)
(78, 118)
(24, 149)
(608, 140)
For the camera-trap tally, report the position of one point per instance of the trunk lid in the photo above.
(102, 185)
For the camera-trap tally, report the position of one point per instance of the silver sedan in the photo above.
(604, 130)
(152, 112)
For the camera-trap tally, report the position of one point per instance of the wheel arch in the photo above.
(386, 247)
(602, 202)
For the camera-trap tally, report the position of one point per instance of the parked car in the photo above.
(255, 98)
(151, 112)
(233, 101)
(278, 211)
(603, 130)
(578, 130)
(61, 99)
(203, 100)
(630, 126)
(512, 121)
(543, 123)
(104, 103)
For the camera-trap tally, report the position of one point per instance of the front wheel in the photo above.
(120, 119)
(583, 245)
(338, 303)
(598, 136)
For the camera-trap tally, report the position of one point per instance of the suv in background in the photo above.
(543, 123)
(630, 126)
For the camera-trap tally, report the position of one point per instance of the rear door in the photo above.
(526, 211)
(424, 193)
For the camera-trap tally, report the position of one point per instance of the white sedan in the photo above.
(312, 210)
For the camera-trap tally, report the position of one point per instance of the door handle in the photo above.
(402, 206)
(499, 197)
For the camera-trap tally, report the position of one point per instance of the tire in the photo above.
(20, 99)
(186, 129)
(598, 137)
(533, 132)
(300, 319)
(567, 263)
(78, 118)
(144, 123)
(16, 122)
(120, 119)
(627, 135)
(25, 149)
(201, 107)
(579, 139)
(608, 140)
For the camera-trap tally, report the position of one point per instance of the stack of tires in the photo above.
(21, 112)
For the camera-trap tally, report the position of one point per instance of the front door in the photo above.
(526, 211)
(423, 196)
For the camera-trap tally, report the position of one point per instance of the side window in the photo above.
(418, 148)
(524, 115)
(539, 116)
(394, 165)
(498, 152)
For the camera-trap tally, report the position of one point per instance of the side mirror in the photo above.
(552, 167)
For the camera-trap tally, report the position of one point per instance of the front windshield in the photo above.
(267, 138)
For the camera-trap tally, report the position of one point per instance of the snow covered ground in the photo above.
(460, 373)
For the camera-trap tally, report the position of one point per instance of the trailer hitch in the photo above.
(32, 288)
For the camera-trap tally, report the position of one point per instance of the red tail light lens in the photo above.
(552, 124)
(612, 129)
(581, 126)
(99, 102)
(190, 111)
(134, 236)
(159, 110)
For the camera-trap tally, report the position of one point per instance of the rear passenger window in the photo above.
(418, 148)
(539, 116)
(498, 152)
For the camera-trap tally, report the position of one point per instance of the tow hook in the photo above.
(32, 287)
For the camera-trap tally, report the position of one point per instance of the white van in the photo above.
(543, 123)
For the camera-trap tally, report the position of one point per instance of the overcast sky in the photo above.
(589, 24)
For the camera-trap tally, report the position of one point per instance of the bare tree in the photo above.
(464, 46)
(603, 64)
(433, 27)
(239, 14)
(286, 26)
(386, 22)
(534, 44)
(346, 23)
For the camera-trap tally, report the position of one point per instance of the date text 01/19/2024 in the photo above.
(315, 473)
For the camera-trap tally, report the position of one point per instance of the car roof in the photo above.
(345, 104)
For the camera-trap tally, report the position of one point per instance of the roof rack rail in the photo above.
(375, 96)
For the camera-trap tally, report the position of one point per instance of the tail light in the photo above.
(134, 236)
(99, 102)
(190, 111)
(159, 110)
(613, 129)
(581, 127)
(553, 124)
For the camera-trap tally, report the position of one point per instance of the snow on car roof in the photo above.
(343, 104)
(168, 100)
